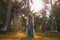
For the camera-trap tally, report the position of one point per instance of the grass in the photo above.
(49, 36)
(22, 36)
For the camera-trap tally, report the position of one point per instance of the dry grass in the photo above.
(22, 36)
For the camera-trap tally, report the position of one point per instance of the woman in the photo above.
(30, 25)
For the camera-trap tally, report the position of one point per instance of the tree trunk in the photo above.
(58, 25)
(44, 21)
(8, 16)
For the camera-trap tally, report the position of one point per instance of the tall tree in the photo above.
(56, 11)
(8, 16)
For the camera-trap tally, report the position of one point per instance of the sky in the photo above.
(37, 5)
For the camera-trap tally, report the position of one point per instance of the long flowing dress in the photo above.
(30, 28)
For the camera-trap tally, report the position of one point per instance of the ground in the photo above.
(22, 36)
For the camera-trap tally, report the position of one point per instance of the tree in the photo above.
(3, 12)
(8, 16)
(56, 11)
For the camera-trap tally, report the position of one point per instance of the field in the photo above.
(22, 36)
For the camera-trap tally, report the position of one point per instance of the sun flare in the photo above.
(37, 5)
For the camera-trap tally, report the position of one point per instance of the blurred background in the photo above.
(13, 15)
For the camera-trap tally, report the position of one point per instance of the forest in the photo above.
(16, 15)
